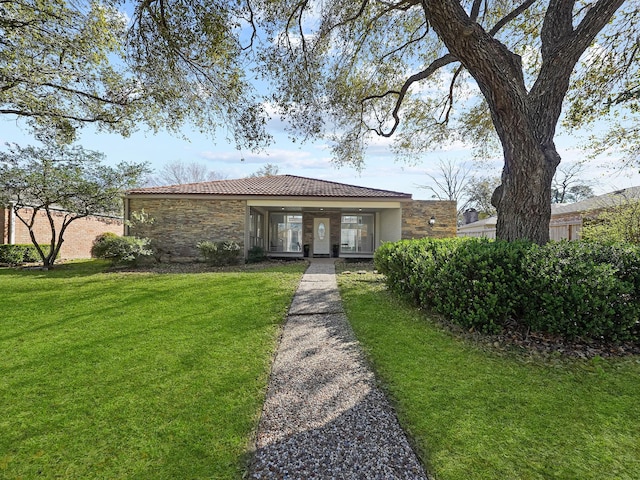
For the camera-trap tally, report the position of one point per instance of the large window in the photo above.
(357, 234)
(285, 232)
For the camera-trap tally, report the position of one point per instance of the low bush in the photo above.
(576, 289)
(584, 289)
(21, 253)
(220, 253)
(481, 284)
(256, 254)
(118, 249)
(12, 254)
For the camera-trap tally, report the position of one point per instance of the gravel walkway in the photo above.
(324, 417)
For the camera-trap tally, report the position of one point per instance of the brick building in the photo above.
(78, 237)
(285, 215)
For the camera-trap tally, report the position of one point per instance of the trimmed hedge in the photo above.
(576, 289)
(21, 253)
(584, 289)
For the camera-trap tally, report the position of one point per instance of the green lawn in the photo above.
(134, 375)
(477, 414)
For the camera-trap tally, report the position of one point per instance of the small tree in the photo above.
(179, 172)
(617, 224)
(69, 179)
(268, 170)
(568, 187)
(450, 183)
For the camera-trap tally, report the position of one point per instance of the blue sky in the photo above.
(310, 159)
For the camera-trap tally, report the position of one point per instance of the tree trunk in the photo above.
(525, 120)
(523, 201)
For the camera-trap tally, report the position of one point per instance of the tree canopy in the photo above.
(427, 72)
(71, 180)
(67, 64)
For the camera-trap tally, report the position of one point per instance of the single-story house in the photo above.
(78, 238)
(285, 215)
(566, 219)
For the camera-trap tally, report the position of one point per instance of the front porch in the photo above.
(313, 231)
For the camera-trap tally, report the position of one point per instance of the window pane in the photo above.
(357, 234)
(285, 232)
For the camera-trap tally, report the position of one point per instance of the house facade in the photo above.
(286, 215)
(78, 238)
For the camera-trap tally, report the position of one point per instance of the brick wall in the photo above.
(180, 223)
(416, 215)
(4, 225)
(78, 237)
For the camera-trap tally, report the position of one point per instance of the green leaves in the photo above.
(575, 289)
(59, 177)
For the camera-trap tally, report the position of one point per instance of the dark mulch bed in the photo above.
(549, 345)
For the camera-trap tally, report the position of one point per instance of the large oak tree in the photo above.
(411, 69)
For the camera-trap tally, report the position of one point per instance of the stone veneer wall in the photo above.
(180, 223)
(416, 215)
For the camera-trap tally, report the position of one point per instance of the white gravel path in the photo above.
(324, 417)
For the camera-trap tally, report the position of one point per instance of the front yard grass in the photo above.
(474, 413)
(135, 375)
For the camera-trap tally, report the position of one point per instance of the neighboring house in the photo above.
(566, 219)
(282, 214)
(78, 238)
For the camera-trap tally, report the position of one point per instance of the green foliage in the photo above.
(68, 64)
(476, 413)
(256, 254)
(19, 254)
(69, 178)
(12, 254)
(617, 224)
(220, 253)
(584, 289)
(480, 285)
(118, 249)
(576, 289)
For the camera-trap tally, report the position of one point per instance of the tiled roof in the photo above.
(271, 186)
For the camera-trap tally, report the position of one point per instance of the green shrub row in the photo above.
(19, 254)
(575, 289)
(220, 253)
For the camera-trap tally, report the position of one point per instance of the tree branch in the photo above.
(426, 73)
(510, 16)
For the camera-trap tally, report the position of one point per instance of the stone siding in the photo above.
(78, 237)
(417, 213)
(180, 223)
